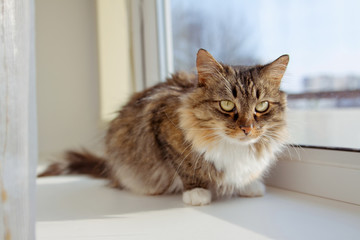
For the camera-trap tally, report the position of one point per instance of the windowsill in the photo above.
(76, 207)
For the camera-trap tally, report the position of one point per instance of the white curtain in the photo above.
(18, 138)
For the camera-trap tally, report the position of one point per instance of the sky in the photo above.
(321, 37)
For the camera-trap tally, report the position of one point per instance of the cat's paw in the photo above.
(254, 189)
(197, 197)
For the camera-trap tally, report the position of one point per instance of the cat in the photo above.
(208, 135)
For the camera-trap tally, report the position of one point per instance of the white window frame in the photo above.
(151, 42)
(325, 173)
(18, 120)
(330, 174)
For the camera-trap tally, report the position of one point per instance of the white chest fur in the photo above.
(239, 162)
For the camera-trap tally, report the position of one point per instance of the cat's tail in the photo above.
(82, 162)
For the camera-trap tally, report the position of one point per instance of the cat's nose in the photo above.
(246, 129)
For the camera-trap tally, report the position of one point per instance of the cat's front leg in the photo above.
(197, 196)
(196, 190)
(254, 189)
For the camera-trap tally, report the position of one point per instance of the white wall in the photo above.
(116, 85)
(67, 75)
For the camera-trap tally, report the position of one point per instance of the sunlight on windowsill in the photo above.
(77, 207)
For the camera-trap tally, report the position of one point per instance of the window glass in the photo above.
(321, 37)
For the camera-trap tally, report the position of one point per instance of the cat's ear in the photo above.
(274, 71)
(206, 66)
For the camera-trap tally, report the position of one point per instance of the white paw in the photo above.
(197, 197)
(254, 189)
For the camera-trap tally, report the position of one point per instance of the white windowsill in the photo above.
(77, 207)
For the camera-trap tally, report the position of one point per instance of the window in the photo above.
(321, 37)
(251, 32)
(18, 135)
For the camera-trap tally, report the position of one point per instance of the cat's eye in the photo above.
(227, 105)
(262, 106)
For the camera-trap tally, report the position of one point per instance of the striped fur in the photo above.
(174, 137)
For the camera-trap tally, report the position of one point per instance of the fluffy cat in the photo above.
(206, 135)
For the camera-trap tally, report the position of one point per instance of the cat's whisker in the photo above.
(201, 129)
(190, 145)
(273, 135)
(287, 149)
(186, 148)
(209, 173)
(177, 170)
(195, 166)
(171, 120)
(296, 148)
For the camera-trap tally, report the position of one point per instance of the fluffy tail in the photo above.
(78, 163)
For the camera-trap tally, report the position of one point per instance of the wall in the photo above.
(114, 59)
(67, 75)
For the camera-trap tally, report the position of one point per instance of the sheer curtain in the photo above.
(18, 138)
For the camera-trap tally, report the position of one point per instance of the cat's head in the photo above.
(239, 104)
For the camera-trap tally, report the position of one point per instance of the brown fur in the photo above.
(79, 163)
(154, 145)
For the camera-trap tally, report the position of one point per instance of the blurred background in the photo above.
(92, 55)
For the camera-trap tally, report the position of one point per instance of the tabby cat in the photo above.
(208, 135)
